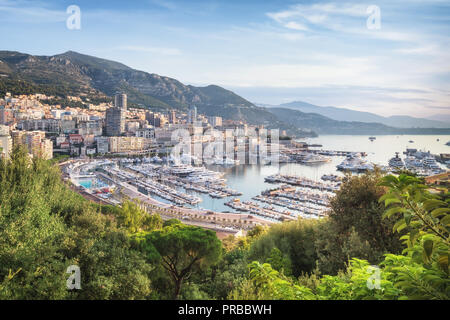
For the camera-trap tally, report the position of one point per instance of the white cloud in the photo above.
(26, 11)
(345, 18)
(295, 26)
(318, 13)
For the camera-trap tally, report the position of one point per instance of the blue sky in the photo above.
(269, 52)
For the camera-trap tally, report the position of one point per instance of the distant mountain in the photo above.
(343, 114)
(325, 125)
(441, 117)
(93, 78)
(73, 73)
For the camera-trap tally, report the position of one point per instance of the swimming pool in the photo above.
(87, 184)
(92, 183)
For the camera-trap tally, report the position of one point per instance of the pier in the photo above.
(303, 182)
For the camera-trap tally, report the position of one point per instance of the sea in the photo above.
(249, 179)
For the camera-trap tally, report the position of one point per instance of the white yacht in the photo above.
(311, 159)
(413, 162)
(355, 164)
(430, 162)
(181, 170)
(396, 162)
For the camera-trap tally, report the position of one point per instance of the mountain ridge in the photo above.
(109, 76)
(324, 125)
(72, 73)
(344, 114)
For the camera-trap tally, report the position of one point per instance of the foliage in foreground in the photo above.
(124, 253)
(421, 272)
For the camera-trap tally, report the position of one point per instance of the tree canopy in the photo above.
(180, 249)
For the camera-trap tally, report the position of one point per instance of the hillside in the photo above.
(75, 73)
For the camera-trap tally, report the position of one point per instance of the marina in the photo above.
(271, 192)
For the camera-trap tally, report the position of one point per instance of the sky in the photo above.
(326, 53)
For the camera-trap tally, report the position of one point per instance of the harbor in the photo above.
(266, 192)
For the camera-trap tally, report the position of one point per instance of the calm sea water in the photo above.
(249, 179)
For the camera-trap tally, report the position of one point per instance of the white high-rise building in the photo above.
(192, 114)
(5, 142)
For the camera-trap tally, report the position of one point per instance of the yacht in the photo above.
(354, 163)
(396, 162)
(181, 170)
(366, 166)
(311, 159)
(430, 162)
(413, 162)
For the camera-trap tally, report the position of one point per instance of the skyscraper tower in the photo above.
(120, 101)
(115, 121)
(192, 114)
(172, 117)
(115, 116)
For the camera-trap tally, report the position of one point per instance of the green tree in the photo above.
(279, 261)
(227, 275)
(181, 249)
(171, 222)
(30, 233)
(294, 239)
(355, 217)
(266, 283)
(110, 268)
(45, 227)
(134, 219)
(423, 271)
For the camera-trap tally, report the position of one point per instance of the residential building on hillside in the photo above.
(125, 144)
(35, 142)
(5, 142)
